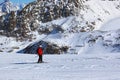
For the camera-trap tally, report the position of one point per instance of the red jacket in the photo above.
(40, 51)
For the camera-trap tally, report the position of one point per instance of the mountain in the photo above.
(23, 22)
(7, 6)
(100, 12)
(64, 26)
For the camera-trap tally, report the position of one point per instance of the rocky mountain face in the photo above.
(68, 25)
(6, 7)
(21, 23)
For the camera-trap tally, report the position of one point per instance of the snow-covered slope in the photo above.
(112, 24)
(100, 12)
(60, 67)
(90, 31)
(7, 6)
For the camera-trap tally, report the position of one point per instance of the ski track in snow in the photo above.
(60, 67)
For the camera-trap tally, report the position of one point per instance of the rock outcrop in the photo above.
(20, 23)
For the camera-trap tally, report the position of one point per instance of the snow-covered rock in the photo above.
(7, 6)
(87, 31)
(98, 13)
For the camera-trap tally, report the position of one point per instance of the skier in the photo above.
(40, 53)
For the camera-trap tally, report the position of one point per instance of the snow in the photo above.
(106, 10)
(8, 6)
(113, 24)
(60, 67)
(91, 55)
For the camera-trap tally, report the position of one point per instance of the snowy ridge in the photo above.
(7, 6)
(100, 12)
(82, 34)
(88, 41)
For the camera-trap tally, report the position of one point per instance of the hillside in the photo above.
(75, 27)
(6, 6)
